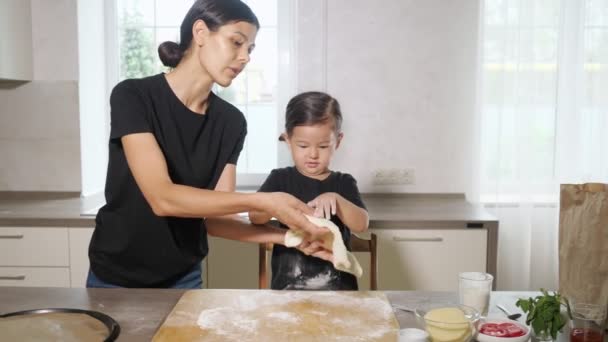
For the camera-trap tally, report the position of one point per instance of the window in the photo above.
(543, 99)
(519, 96)
(141, 25)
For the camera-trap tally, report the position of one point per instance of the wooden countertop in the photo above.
(386, 210)
(141, 311)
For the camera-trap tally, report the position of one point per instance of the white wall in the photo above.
(39, 134)
(404, 72)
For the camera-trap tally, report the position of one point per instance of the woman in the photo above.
(172, 160)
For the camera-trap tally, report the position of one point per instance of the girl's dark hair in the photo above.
(214, 13)
(312, 108)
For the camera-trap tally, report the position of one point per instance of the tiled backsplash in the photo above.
(39, 137)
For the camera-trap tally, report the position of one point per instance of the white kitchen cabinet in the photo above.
(79, 255)
(428, 259)
(44, 256)
(34, 256)
(15, 40)
(231, 265)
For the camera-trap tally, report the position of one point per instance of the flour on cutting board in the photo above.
(343, 316)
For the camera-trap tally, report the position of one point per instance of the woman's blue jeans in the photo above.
(192, 280)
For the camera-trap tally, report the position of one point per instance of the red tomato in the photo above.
(502, 330)
(513, 330)
(492, 329)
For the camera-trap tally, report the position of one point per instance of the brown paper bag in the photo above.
(583, 242)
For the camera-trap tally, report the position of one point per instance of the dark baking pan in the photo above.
(109, 322)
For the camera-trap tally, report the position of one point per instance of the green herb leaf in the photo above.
(543, 312)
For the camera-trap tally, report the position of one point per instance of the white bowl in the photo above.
(487, 338)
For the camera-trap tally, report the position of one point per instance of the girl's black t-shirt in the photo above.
(131, 246)
(292, 269)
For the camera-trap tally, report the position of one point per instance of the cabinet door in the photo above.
(16, 40)
(79, 255)
(232, 264)
(35, 276)
(31, 246)
(428, 259)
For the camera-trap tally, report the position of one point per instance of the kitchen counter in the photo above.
(46, 209)
(392, 215)
(141, 311)
(385, 210)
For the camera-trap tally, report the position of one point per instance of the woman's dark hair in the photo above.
(214, 13)
(312, 108)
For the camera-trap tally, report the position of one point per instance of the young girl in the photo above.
(312, 132)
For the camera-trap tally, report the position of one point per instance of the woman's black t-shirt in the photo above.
(292, 269)
(131, 246)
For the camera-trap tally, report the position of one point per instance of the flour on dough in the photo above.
(343, 259)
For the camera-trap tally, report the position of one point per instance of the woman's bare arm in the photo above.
(166, 198)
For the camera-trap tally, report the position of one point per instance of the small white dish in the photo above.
(413, 335)
(481, 337)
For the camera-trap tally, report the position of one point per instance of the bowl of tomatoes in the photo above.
(502, 330)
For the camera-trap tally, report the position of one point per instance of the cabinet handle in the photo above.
(19, 277)
(431, 239)
(17, 236)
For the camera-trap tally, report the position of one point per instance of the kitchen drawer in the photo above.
(25, 246)
(35, 276)
(428, 259)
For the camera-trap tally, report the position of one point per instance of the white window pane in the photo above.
(546, 12)
(494, 13)
(138, 57)
(236, 93)
(265, 10)
(545, 45)
(262, 70)
(596, 46)
(171, 12)
(242, 166)
(262, 137)
(596, 12)
(596, 68)
(135, 12)
(493, 45)
(144, 24)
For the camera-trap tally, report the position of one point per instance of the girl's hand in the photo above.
(316, 249)
(325, 205)
(290, 211)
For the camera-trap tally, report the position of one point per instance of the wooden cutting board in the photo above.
(267, 315)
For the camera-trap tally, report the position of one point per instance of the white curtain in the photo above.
(543, 121)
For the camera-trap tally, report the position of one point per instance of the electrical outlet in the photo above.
(394, 176)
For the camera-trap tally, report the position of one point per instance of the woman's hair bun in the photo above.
(170, 54)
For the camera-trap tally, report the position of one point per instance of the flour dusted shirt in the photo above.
(131, 246)
(292, 269)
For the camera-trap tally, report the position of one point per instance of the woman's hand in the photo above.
(290, 211)
(316, 249)
(325, 205)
